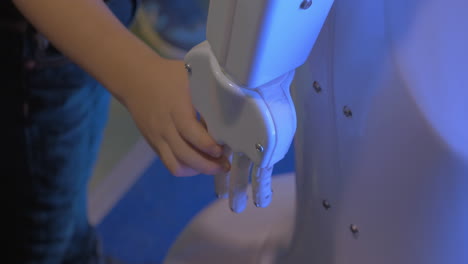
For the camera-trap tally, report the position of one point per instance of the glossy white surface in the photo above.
(397, 169)
(258, 41)
(256, 236)
(257, 125)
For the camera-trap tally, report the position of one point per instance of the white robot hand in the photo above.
(256, 126)
(240, 79)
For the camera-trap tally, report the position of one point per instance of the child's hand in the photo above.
(154, 90)
(161, 107)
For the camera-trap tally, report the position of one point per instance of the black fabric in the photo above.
(8, 11)
(52, 117)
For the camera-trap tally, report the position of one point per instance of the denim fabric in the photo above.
(52, 117)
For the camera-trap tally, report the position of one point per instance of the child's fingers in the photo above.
(193, 132)
(192, 158)
(176, 167)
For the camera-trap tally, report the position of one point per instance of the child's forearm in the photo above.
(88, 33)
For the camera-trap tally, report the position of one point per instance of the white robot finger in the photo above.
(261, 186)
(239, 181)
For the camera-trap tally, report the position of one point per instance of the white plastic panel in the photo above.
(242, 118)
(218, 31)
(218, 236)
(268, 38)
(397, 169)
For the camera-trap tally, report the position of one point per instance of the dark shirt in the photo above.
(9, 12)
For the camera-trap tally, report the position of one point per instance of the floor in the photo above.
(120, 136)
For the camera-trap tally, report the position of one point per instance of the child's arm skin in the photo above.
(154, 90)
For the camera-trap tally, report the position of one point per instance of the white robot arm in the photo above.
(240, 79)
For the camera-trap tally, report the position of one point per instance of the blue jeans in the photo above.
(52, 115)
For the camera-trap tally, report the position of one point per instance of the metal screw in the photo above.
(354, 229)
(188, 68)
(317, 87)
(259, 147)
(306, 4)
(326, 204)
(347, 111)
